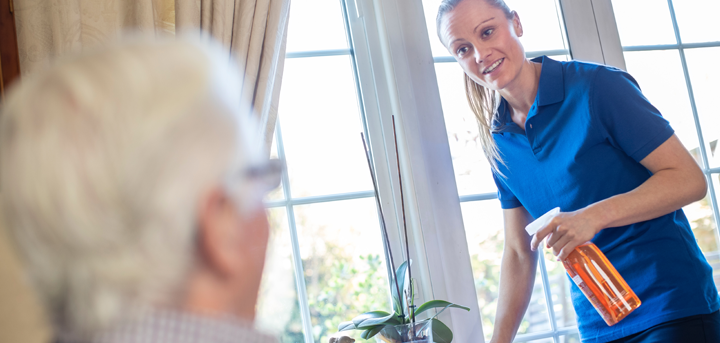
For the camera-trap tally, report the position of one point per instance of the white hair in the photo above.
(104, 158)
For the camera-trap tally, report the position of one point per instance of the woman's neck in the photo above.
(521, 92)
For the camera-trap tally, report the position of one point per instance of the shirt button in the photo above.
(531, 126)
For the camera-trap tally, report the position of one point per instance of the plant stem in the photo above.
(402, 204)
(382, 224)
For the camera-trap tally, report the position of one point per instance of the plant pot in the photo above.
(421, 332)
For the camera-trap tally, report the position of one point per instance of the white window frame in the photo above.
(395, 74)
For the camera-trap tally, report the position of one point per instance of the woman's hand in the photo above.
(567, 230)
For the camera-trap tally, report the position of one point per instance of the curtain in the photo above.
(254, 32)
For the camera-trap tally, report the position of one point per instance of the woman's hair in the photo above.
(104, 157)
(483, 102)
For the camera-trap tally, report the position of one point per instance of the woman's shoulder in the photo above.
(587, 69)
(593, 74)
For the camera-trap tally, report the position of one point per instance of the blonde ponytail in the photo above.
(484, 104)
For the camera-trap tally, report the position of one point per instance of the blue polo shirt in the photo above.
(584, 137)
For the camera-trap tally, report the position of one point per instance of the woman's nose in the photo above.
(480, 55)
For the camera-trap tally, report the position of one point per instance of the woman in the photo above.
(582, 136)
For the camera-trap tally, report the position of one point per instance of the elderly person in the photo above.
(132, 185)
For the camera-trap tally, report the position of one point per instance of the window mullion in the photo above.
(592, 31)
(696, 118)
(355, 21)
(548, 294)
(297, 259)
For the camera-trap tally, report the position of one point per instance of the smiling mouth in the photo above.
(494, 66)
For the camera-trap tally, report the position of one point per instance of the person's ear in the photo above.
(218, 233)
(517, 25)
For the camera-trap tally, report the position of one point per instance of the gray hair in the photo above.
(104, 159)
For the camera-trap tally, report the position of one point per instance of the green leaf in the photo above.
(435, 304)
(345, 326)
(399, 300)
(441, 333)
(357, 321)
(371, 332)
(390, 319)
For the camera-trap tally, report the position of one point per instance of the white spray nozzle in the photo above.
(539, 223)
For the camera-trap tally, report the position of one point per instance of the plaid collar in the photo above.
(165, 326)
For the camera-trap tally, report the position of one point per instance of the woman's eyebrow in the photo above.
(484, 21)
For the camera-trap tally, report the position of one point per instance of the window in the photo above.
(353, 63)
(326, 263)
(678, 36)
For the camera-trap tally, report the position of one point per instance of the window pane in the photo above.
(277, 193)
(343, 261)
(544, 340)
(542, 25)
(430, 7)
(697, 20)
(472, 170)
(644, 22)
(316, 25)
(321, 127)
(483, 222)
(278, 310)
(666, 90)
(574, 338)
(704, 73)
(700, 216)
(560, 291)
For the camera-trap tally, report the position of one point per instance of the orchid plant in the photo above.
(371, 323)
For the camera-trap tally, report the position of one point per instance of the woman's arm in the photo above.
(517, 275)
(676, 181)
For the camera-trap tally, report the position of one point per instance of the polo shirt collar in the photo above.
(551, 89)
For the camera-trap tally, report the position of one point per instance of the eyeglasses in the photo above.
(267, 175)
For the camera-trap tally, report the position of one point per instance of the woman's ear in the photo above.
(517, 25)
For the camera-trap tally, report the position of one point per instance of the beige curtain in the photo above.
(254, 31)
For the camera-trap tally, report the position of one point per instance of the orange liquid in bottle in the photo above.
(601, 283)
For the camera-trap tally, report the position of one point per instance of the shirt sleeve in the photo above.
(505, 195)
(625, 117)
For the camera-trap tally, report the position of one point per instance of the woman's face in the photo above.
(484, 42)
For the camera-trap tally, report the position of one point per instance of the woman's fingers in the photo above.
(564, 233)
(544, 232)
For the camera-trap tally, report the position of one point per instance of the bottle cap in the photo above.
(539, 223)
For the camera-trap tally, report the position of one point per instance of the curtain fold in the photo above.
(254, 32)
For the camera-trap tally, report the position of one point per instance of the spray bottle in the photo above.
(591, 271)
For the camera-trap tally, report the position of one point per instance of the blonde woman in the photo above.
(582, 137)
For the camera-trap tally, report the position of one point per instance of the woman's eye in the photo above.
(461, 51)
(488, 32)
